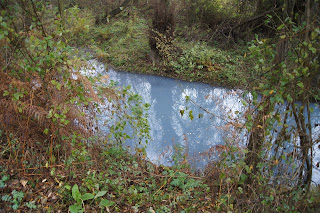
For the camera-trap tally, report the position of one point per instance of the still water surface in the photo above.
(168, 96)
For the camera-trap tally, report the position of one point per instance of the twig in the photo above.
(164, 183)
(50, 166)
(194, 177)
(256, 17)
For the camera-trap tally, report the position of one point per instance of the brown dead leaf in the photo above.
(23, 182)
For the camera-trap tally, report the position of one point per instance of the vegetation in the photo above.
(53, 154)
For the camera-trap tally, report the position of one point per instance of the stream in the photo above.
(169, 128)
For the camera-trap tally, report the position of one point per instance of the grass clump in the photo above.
(200, 62)
(123, 42)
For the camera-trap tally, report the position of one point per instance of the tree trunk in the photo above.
(308, 17)
(161, 34)
(115, 11)
(256, 140)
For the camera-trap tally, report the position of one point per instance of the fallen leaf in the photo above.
(23, 182)
(43, 200)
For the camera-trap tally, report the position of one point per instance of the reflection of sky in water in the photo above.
(168, 96)
(316, 170)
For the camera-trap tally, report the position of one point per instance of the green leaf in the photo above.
(176, 182)
(17, 96)
(76, 193)
(4, 24)
(300, 84)
(280, 27)
(58, 86)
(181, 112)
(87, 196)
(289, 98)
(67, 187)
(240, 190)
(244, 103)
(311, 109)
(266, 92)
(75, 208)
(46, 131)
(314, 35)
(5, 93)
(54, 82)
(100, 194)
(190, 115)
(106, 203)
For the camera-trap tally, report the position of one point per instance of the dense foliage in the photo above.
(53, 154)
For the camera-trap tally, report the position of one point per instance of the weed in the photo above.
(200, 61)
(124, 43)
(31, 205)
(3, 180)
(15, 199)
(81, 198)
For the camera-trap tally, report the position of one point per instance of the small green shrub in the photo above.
(201, 61)
(81, 198)
(15, 199)
(77, 25)
(122, 42)
(3, 180)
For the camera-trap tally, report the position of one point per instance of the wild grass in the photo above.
(123, 43)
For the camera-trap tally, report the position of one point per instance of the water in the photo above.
(168, 128)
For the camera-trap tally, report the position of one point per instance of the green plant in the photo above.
(52, 109)
(123, 42)
(277, 121)
(201, 61)
(133, 114)
(3, 180)
(15, 199)
(178, 155)
(184, 183)
(80, 199)
(77, 25)
(31, 205)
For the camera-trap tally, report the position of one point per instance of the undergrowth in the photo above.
(53, 157)
(123, 43)
(106, 179)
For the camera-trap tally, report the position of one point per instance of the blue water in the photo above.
(168, 128)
